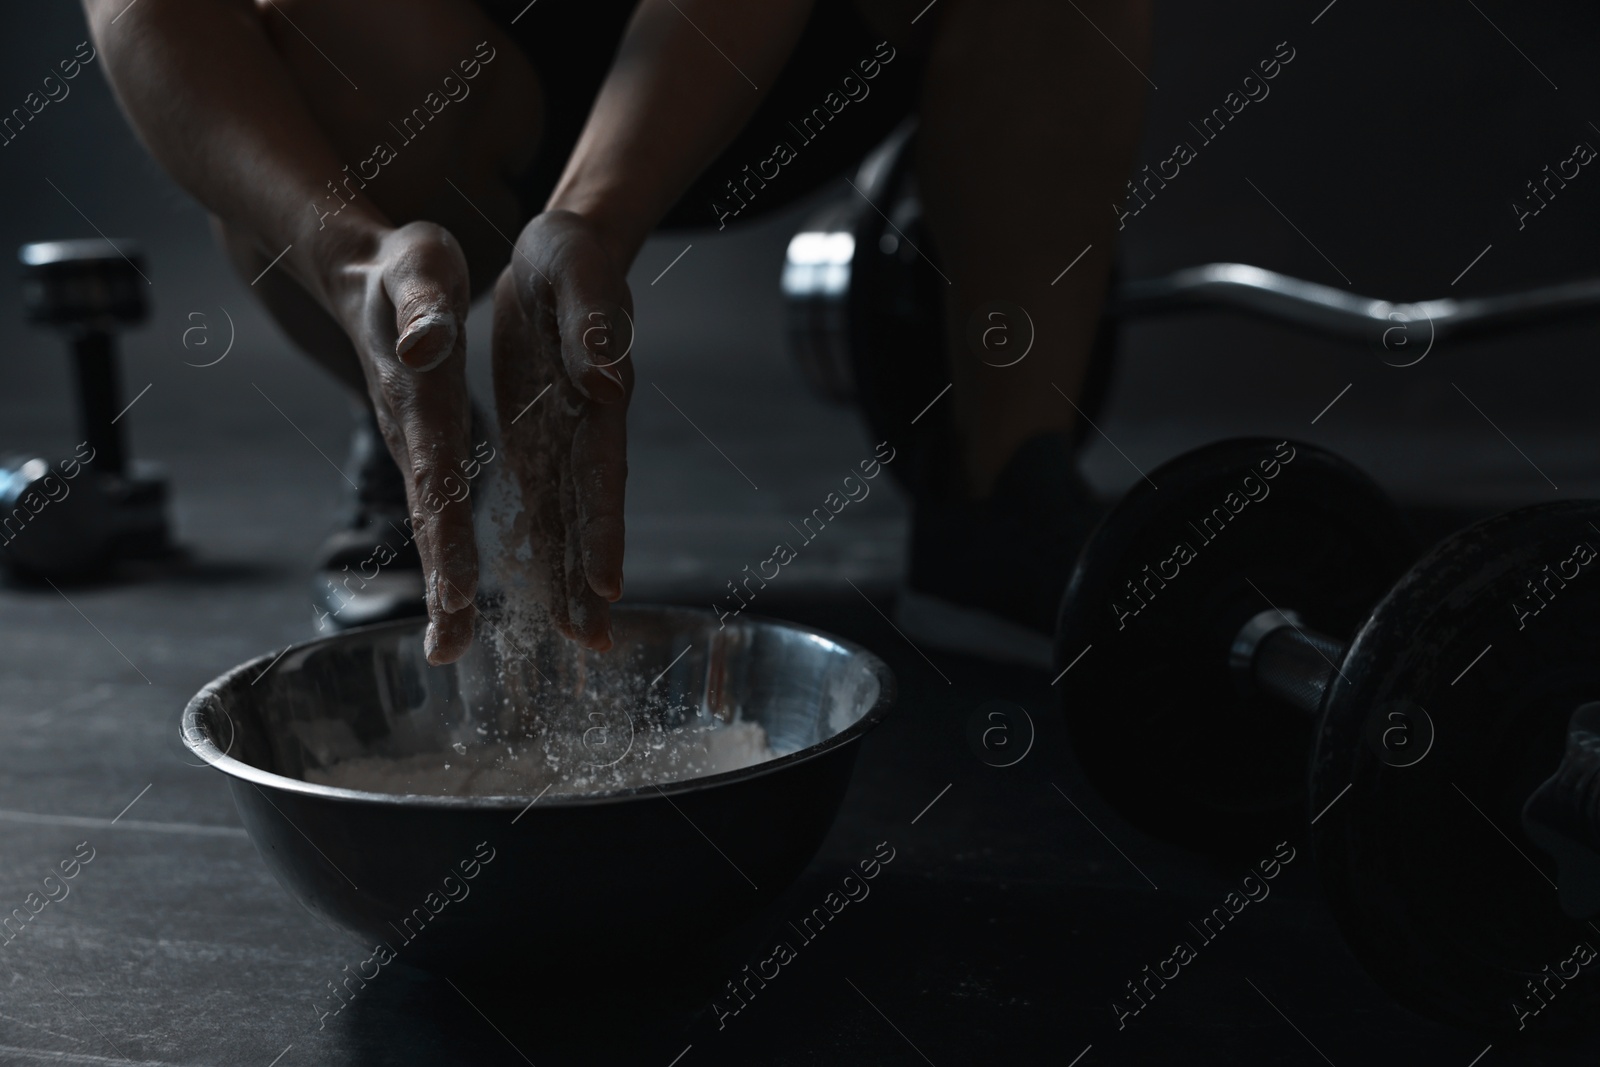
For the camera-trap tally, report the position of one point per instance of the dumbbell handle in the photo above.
(1277, 654)
(99, 398)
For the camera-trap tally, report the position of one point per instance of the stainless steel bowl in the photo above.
(568, 883)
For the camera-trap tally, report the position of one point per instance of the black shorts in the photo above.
(823, 109)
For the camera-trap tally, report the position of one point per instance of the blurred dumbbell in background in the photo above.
(74, 517)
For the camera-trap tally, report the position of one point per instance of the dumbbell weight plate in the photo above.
(1438, 891)
(52, 525)
(896, 314)
(1155, 716)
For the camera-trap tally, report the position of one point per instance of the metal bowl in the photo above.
(558, 883)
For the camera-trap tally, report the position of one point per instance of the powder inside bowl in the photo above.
(541, 714)
(656, 756)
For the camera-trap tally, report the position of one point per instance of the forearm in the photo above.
(208, 95)
(670, 104)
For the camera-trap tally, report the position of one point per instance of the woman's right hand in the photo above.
(404, 306)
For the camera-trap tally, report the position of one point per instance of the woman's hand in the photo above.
(404, 306)
(563, 330)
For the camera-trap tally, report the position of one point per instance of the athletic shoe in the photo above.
(370, 571)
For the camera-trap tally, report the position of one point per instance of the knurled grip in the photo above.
(1295, 665)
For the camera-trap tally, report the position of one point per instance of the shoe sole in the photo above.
(971, 631)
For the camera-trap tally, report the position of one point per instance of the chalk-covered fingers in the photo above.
(599, 472)
(573, 318)
(413, 349)
(533, 402)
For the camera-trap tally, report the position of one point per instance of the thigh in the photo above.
(843, 91)
(854, 75)
(569, 46)
(429, 104)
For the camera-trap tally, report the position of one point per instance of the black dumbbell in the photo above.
(77, 516)
(1260, 607)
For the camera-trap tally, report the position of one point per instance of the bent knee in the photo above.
(412, 94)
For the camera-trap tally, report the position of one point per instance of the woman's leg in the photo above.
(1028, 120)
(1028, 125)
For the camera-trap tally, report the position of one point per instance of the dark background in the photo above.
(1396, 141)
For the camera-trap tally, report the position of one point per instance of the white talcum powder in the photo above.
(658, 756)
(547, 718)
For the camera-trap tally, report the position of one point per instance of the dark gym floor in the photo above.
(1018, 904)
